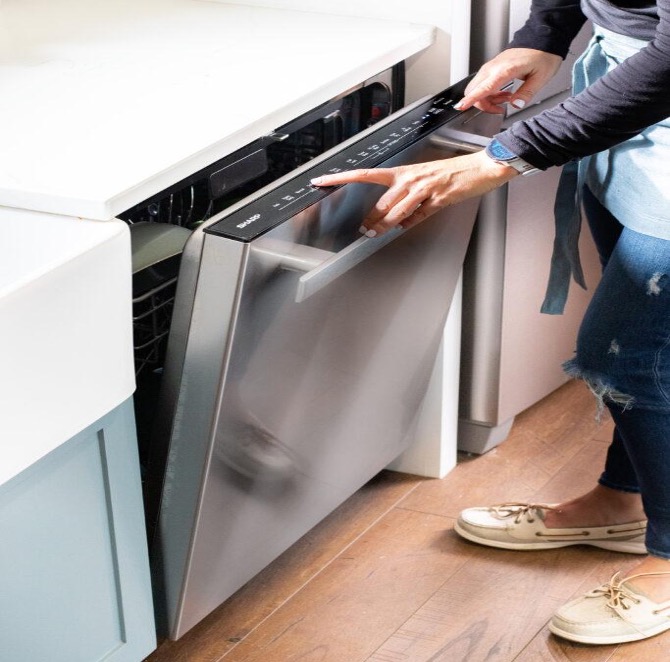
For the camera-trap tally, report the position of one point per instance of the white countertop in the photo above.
(105, 103)
(65, 330)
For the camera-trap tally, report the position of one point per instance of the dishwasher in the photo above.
(287, 356)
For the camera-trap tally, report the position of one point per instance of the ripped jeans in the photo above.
(623, 353)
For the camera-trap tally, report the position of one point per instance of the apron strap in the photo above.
(565, 260)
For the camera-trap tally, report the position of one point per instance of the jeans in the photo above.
(623, 353)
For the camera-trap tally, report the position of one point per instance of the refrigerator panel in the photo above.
(511, 353)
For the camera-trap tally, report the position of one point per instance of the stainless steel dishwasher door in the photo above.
(301, 360)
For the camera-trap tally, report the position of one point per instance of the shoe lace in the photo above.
(619, 597)
(531, 511)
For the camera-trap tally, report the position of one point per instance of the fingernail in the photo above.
(371, 233)
(457, 106)
(362, 229)
(519, 103)
(316, 181)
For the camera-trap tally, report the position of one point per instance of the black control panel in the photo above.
(295, 195)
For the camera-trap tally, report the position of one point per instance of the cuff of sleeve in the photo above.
(523, 150)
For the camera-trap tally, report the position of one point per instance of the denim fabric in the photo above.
(623, 353)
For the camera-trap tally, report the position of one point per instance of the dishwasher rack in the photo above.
(152, 313)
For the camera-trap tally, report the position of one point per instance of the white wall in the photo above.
(429, 72)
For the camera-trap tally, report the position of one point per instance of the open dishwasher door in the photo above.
(299, 355)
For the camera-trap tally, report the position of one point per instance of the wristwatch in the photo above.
(498, 152)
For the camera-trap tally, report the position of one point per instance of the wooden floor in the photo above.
(385, 579)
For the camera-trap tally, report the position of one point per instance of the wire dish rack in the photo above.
(156, 254)
(152, 313)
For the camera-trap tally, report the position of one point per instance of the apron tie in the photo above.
(565, 260)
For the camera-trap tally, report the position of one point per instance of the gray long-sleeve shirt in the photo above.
(620, 105)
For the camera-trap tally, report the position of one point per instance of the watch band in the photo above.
(499, 153)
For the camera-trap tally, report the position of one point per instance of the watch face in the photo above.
(500, 152)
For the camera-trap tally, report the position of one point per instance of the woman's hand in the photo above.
(417, 191)
(535, 68)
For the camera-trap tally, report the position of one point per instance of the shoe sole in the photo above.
(613, 639)
(623, 546)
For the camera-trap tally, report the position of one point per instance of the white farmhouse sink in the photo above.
(65, 330)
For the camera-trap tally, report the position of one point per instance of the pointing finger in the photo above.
(370, 176)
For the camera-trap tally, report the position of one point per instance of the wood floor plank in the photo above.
(359, 600)
(569, 407)
(494, 606)
(579, 475)
(547, 443)
(547, 648)
(491, 478)
(656, 649)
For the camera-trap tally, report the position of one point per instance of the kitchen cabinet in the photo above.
(74, 567)
(74, 585)
(65, 330)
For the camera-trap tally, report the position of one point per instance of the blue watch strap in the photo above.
(497, 151)
(501, 154)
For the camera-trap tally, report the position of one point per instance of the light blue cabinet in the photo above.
(74, 571)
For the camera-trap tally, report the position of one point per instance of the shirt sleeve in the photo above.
(618, 106)
(551, 26)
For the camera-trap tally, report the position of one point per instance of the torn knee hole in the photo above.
(603, 393)
(655, 284)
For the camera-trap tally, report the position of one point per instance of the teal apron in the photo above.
(631, 179)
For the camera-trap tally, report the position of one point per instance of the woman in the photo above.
(617, 123)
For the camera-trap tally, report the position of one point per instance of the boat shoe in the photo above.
(521, 526)
(613, 613)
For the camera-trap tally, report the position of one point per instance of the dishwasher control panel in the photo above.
(296, 194)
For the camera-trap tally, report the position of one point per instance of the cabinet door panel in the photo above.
(74, 573)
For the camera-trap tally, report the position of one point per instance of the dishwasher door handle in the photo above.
(460, 141)
(341, 262)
